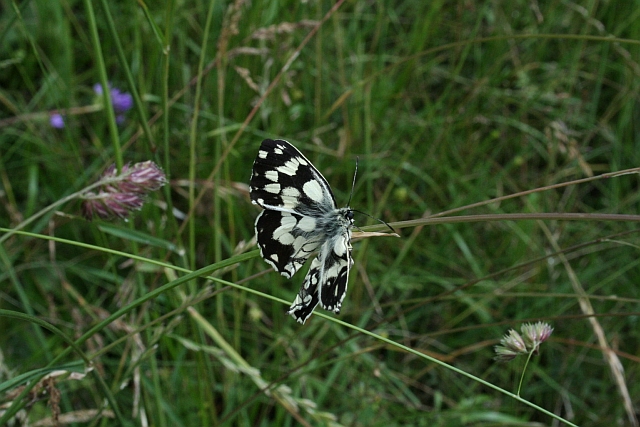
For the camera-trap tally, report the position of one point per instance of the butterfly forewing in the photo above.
(283, 178)
(301, 218)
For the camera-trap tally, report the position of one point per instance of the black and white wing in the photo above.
(330, 269)
(335, 262)
(294, 195)
(300, 218)
(307, 299)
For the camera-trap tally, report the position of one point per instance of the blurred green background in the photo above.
(445, 104)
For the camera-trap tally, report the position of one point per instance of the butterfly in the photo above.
(300, 218)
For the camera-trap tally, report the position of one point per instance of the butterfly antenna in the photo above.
(377, 219)
(353, 184)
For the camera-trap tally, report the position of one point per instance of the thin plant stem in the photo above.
(524, 369)
(104, 81)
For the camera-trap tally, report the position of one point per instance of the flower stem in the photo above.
(524, 369)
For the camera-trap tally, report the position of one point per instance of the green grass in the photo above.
(446, 104)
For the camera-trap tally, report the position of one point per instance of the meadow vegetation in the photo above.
(500, 139)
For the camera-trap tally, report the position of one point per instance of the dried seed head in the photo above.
(514, 344)
(504, 354)
(514, 341)
(123, 192)
(535, 334)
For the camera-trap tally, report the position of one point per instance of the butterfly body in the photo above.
(300, 218)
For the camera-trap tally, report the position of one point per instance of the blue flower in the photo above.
(97, 88)
(56, 120)
(121, 101)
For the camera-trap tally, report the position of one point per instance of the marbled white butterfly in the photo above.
(300, 218)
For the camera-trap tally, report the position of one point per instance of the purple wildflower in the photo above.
(141, 178)
(97, 88)
(56, 120)
(107, 205)
(121, 101)
(124, 192)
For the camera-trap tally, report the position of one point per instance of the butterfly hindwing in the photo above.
(300, 218)
(282, 241)
(336, 261)
(330, 269)
(307, 298)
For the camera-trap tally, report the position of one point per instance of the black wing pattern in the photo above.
(300, 218)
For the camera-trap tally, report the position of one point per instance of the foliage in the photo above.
(446, 104)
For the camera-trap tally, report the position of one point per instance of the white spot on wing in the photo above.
(272, 188)
(284, 238)
(340, 248)
(290, 197)
(313, 190)
(307, 223)
(290, 167)
(298, 243)
(262, 154)
(271, 176)
(291, 192)
(281, 234)
(333, 271)
(310, 246)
